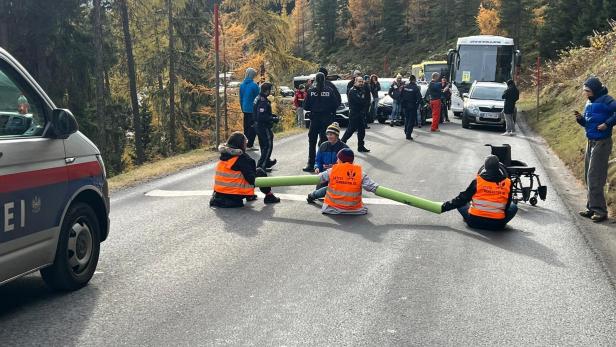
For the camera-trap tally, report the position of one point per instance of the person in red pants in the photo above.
(435, 90)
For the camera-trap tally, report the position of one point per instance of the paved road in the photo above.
(175, 272)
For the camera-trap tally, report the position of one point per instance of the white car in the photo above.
(484, 105)
(54, 200)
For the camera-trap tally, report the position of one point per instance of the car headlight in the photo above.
(473, 109)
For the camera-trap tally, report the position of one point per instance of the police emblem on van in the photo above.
(36, 204)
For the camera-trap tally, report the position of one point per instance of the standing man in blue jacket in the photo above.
(249, 91)
(598, 119)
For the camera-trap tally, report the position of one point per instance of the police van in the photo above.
(54, 200)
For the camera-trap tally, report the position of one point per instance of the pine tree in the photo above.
(324, 20)
(393, 20)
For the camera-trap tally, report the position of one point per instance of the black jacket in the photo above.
(357, 101)
(375, 88)
(466, 196)
(324, 104)
(511, 96)
(263, 112)
(411, 96)
(396, 90)
(336, 92)
(367, 95)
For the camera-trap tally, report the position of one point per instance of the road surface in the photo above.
(175, 272)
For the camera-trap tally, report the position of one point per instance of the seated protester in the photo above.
(490, 198)
(343, 192)
(326, 155)
(235, 175)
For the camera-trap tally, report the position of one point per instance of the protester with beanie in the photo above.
(487, 202)
(343, 192)
(235, 175)
(598, 119)
(249, 91)
(326, 156)
(322, 104)
(265, 121)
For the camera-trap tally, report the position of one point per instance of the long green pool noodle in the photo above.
(407, 199)
(283, 181)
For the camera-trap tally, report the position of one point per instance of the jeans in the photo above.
(510, 123)
(596, 163)
(395, 111)
(485, 223)
(319, 193)
(356, 123)
(374, 108)
(300, 116)
(249, 129)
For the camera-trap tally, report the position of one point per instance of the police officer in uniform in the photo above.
(357, 103)
(322, 102)
(410, 100)
(265, 121)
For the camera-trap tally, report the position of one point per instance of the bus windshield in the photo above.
(484, 63)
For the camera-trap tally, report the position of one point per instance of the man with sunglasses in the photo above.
(598, 119)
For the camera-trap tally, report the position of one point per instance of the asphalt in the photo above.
(175, 272)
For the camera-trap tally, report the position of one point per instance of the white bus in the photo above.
(482, 58)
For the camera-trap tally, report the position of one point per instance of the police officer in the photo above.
(265, 121)
(357, 105)
(410, 100)
(322, 103)
(329, 83)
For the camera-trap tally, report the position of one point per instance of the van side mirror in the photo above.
(63, 123)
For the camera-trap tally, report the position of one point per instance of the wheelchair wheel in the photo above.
(533, 201)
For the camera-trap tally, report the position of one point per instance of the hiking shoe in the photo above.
(308, 168)
(251, 198)
(409, 138)
(271, 199)
(587, 214)
(597, 218)
(271, 163)
(310, 199)
(363, 149)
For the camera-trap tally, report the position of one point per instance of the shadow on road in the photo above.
(245, 221)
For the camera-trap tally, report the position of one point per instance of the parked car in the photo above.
(484, 105)
(54, 199)
(286, 92)
(342, 114)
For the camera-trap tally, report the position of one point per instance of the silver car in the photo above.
(484, 104)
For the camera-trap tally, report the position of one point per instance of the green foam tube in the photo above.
(283, 181)
(407, 199)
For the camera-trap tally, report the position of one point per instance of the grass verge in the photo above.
(171, 165)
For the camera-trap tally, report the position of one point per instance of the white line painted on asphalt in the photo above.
(291, 197)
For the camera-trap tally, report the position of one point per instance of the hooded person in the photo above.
(487, 203)
(234, 179)
(322, 103)
(598, 119)
(249, 90)
(345, 181)
(265, 121)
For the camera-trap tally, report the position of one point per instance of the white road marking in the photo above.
(291, 197)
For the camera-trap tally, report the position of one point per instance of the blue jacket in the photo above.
(599, 111)
(249, 91)
(327, 154)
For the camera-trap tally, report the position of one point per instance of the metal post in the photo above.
(217, 63)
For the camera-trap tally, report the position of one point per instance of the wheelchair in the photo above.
(525, 182)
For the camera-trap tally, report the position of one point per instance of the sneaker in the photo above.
(597, 218)
(271, 199)
(512, 133)
(587, 213)
(363, 149)
(271, 163)
(435, 131)
(506, 133)
(409, 138)
(308, 168)
(310, 199)
(251, 198)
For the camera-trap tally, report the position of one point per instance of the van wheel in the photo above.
(77, 252)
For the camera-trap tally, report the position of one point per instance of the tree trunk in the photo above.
(172, 131)
(99, 75)
(132, 81)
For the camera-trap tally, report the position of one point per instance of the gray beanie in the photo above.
(251, 73)
(492, 163)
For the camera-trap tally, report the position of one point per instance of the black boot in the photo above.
(363, 149)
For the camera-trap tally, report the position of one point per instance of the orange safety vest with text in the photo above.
(345, 187)
(491, 198)
(228, 181)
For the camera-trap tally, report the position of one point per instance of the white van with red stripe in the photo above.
(54, 200)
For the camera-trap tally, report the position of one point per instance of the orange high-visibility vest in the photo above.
(227, 181)
(344, 188)
(491, 198)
